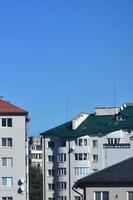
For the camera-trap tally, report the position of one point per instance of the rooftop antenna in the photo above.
(114, 88)
(67, 104)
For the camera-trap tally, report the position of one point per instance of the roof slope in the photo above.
(96, 124)
(120, 174)
(7, 108)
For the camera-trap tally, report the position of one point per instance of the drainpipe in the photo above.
(69, 152)
(74, 189)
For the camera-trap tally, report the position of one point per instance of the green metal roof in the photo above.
(95, 125)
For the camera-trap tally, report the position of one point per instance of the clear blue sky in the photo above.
(58, 51)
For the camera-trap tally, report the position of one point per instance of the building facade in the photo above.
(13, 152)
(35, 151)
(88, 143)
(114, 182)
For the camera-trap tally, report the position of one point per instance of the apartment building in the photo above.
(35, 151)
(88, 143)
(13, 152)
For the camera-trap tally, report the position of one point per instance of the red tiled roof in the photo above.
(7, 107)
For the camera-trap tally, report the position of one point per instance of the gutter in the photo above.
(74, 189)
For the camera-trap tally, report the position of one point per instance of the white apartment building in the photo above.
(35, 151)
(88, 143)
(13, 152)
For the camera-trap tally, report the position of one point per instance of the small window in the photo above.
(130, 195)
(7, 142)
(95, 158)
(7, 162)
(77, 198)
(85, 142)
(80, 142)
(50, 158)
(101, 195)
(95, 143)
(61, 186)
(51, 186)
(7, 181)
(50, 144)
(6, 122)
(7, 198)
(50, 172)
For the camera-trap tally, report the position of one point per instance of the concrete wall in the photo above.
(115, 193)
(18, 152)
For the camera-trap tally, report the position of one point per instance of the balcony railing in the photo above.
(117, 146)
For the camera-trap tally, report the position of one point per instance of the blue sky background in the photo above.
(65, 53)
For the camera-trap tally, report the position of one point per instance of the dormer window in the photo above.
(119, 117)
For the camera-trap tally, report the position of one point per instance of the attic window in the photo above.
(120, 117)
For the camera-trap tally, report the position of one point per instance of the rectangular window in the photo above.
(50, 172)
(61, 157)
(61, 172)
(7, 198)
(81, 170)
(81, 156)
(95, 143)
(51, 186)
(130, 195)
(61, 198)
(61, 185)
(7, 162)
(7, 181)
(7, 142)
(101, 195)
(50, 158)
(85, 142)
(95, 158)
(50, 144)
(77, 198)
(6, 122)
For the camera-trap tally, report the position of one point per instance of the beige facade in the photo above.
(115, 193)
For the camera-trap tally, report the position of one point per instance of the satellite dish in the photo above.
(22, 180)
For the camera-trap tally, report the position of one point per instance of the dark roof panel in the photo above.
(120, 174)
(95, 124)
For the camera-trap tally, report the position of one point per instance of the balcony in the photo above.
(117, 146)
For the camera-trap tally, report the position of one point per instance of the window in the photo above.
(63, 143)
(130, 196)
(38, 147)
(7, 198)
(61, 157)
(50, 158)
(61, 198)
(6, 122)
(77, 198)
(51, 186)
(7, 142)
(101, 195)
(7, 162)
(7, 181)
(50, 144)
(80, 142)
(61, 172)
(61, 185)
(85, 142)
(50, 172)
(95, 143)
(114, 141)
(81, 156)
(95, 158)
(81, 170)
